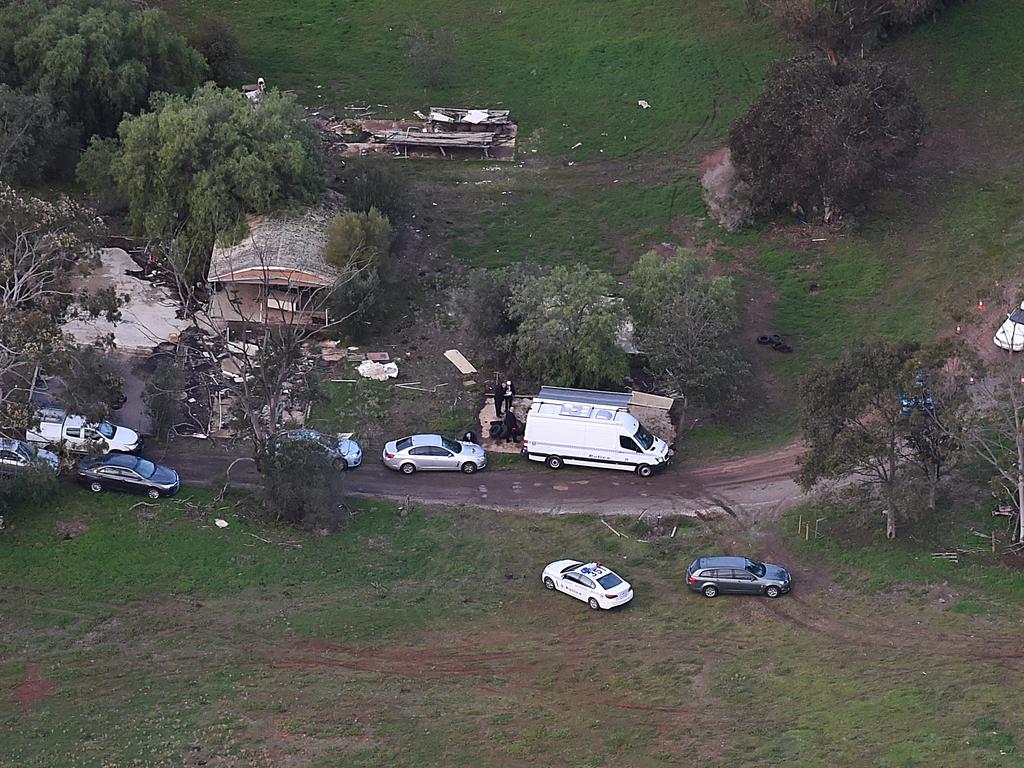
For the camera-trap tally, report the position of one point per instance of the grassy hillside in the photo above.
(152, 637)
(571, 71)
(938, 240)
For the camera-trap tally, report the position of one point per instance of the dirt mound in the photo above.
(32, 689)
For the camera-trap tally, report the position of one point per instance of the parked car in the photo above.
(593, 583)
(17, 456)
(738, 575)
(124, 472)
(1010, 335)
(433, 453)
(591, 429)
(57, 427)
(343, 451)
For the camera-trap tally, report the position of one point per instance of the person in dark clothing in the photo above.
(499, 398)
(511, 427)
(508, 392)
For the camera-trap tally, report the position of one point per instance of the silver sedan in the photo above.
(433, 453)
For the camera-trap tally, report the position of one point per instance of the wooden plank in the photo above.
(650, 401)
(459, 360)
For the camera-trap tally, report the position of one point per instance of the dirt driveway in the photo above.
(756, 483)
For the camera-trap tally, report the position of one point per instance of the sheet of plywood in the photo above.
(459, 361)
(650, 401)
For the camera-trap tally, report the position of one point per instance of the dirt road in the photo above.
(732, 487)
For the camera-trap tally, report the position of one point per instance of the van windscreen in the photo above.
(645, 438)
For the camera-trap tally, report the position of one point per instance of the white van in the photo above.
(56, 427)
(591, 429)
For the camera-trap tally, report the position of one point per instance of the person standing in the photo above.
(499, 398)
(511, 427)
(508, 392)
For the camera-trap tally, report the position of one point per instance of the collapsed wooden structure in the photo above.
(448, 131)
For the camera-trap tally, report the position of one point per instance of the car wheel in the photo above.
(773, 591)
(153, 493)
(594, 605)
(710, 590)
(340, 464)
(645, 470)
(95, 487)
(407, 469)
(469, 468)
(554, 462)
(548, 583)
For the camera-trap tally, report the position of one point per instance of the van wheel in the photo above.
(645, 470)
(773, 591)
(554, 462)
(95, 487)
(407, 468)
(469, 468)
(710, 590)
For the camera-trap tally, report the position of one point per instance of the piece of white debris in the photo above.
(643, 103)
(576, 145)
(220, 523)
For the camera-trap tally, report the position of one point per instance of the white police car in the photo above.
(593, 583)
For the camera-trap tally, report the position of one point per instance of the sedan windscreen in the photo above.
(757, 569)
(451, 445)
(145, 468)
(609, 581)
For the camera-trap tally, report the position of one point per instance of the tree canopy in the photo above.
(566, 328)
(192, 168)
(96, 59)
(36, 141)
(845, 26)
(685, 323)
(44, 253)
(824, 136)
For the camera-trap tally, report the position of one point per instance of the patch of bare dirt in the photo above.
(33, 688)
(69, 529)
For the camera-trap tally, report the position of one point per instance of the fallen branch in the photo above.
(642, 513)
(610, 528)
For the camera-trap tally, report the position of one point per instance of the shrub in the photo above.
(568, 327)
(300, 486)
(374, 183)
(220, 46)
(685, 324)
(481, 300)
(36, 141)
(823, 137)
(849, 25)
(358, 239)
(161, 395)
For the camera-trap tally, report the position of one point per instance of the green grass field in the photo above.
(154, 638)
(571, 72)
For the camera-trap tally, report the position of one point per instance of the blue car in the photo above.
(344, 452)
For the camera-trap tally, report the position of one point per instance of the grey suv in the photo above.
(711, 575)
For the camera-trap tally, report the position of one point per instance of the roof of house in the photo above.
(277, 251)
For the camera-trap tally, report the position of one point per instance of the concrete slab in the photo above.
(149, 317)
